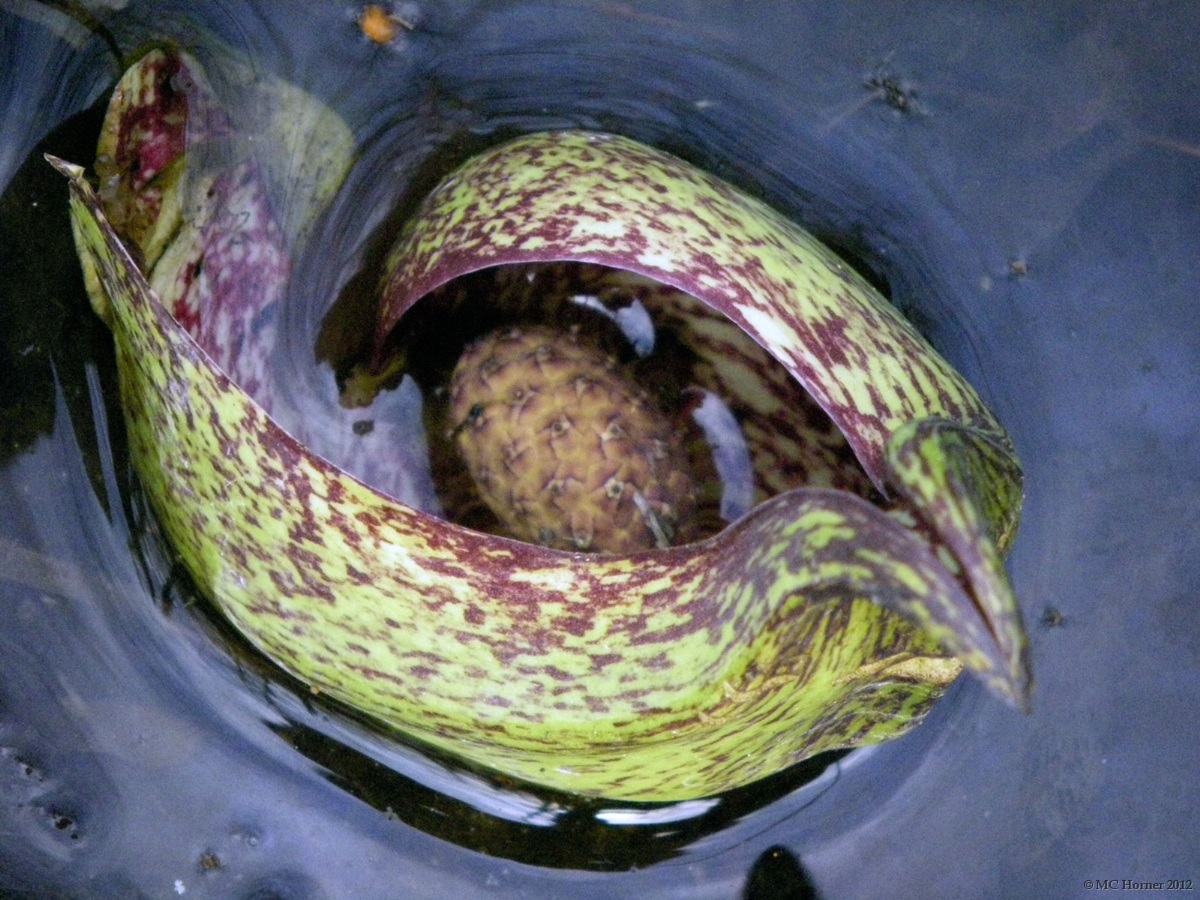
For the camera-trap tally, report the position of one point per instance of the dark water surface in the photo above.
(1025, 179)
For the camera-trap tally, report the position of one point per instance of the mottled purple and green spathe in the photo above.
(819, 620)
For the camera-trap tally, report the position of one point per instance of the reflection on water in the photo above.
(144, 751)
(778, 875)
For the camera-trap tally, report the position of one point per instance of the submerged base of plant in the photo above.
(819, 620)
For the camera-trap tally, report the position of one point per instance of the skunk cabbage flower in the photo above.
(690, 571)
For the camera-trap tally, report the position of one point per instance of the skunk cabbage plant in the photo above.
(664, 603)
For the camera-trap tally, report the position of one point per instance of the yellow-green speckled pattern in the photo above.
(651, 677)
(606, 199)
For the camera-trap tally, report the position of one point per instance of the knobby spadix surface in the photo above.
(817, 621)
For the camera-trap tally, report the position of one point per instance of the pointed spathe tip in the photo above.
(71, 170)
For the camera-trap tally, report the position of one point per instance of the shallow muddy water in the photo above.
(1025, 181)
